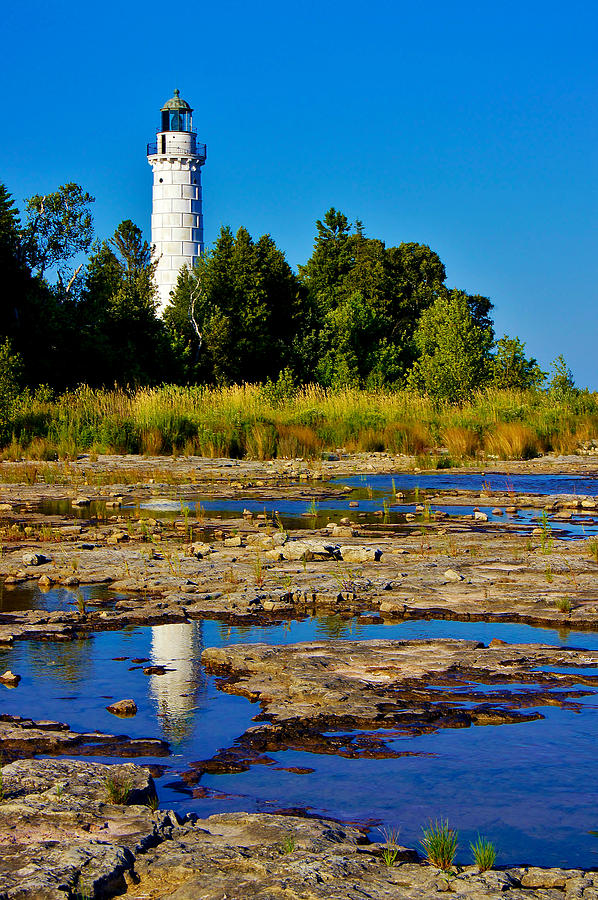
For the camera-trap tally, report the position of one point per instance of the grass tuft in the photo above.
(118, 787)
(440, 844)
(484, 853)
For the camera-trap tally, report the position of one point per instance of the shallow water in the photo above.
(528, 787)
(375, 494)
(19, 597)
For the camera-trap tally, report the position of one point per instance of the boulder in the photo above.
(10, 679)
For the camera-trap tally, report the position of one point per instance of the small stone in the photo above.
(480, 516)
(342, 531)
(117, 537)
(497, 511)
(81, 501)
(10, 679)
(35, 559)
(354, 504)
(123, 708)
(451, 575)
(154, 670)
(234, 541)
(497, 642)
(44, 581)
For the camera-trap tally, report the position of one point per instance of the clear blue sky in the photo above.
(469, 126)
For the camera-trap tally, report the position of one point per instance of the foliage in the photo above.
(454, 352)
(511, 369)
(59, 226)
(484, 853)
(235, 315)
(562, 385)
(439, 843)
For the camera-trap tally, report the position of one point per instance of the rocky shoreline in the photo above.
(71, 830)
(62, 836)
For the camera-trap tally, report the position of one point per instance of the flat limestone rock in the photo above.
(309, 689)
(22, 737)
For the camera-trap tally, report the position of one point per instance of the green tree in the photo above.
(235, 315)
(59, 226)
(11, 370)
(122, 339)
(562, 384)
(512, 369)
(454, 352)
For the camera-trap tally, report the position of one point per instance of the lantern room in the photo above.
(176, 115)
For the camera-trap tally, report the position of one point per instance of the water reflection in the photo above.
(178, 648)
(64, 661)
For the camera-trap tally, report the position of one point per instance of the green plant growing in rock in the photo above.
(385, 506)
(439, 843)
(312, 509)
(259, 576)
(546, 535)
(118, 787)
(80, 603)
(288, 844)
(548, 575)
(563, 604)
(391, 848)
(153, 803)
(592, 546)
(484, 853)
(345, 579)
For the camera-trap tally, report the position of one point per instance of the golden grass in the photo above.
(243, 420)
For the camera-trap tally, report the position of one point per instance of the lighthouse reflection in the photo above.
(177, 647)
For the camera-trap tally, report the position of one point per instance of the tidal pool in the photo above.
(528, 787)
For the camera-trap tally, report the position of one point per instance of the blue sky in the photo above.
(471, 127)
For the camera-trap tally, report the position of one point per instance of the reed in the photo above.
(247, 421)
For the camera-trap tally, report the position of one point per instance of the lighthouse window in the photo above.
(161, 180)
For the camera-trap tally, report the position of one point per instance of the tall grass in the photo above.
(244, 420)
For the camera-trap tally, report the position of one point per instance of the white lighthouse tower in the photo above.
(176, 159)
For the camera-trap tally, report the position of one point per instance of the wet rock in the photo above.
(123, 708)
(497, 511)
(10, 679)
(479, 516)
(154, 670)
(81, 501)
(22, 737)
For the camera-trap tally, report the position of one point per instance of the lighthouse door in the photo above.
(163, 143)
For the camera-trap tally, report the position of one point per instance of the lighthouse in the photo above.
(176, 158)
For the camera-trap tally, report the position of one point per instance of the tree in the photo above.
(59, 226)
(246, 304)
(562, 384)
(11, 370)
(512, 369)
(122, 340)
(454, 352)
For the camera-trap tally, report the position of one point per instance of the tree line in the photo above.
(76, 310)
